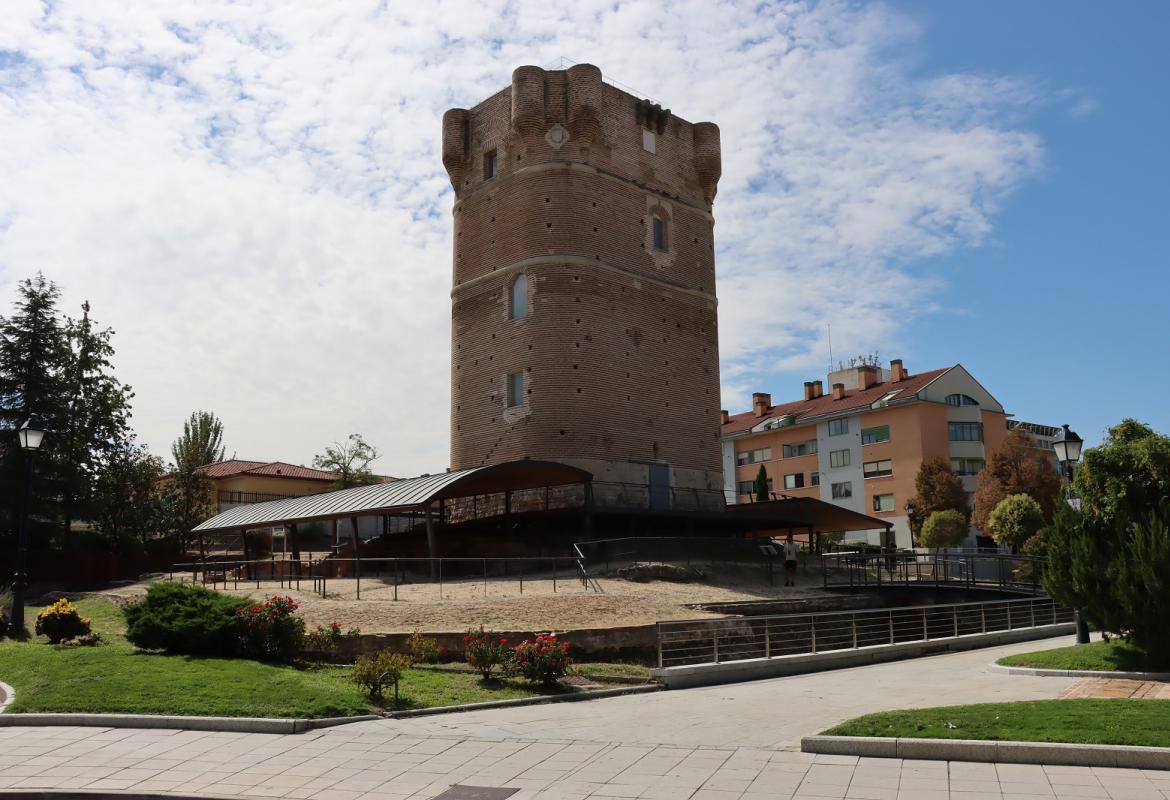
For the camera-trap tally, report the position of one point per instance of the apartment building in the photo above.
(861, 444)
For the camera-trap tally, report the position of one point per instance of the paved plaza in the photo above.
(737, 742)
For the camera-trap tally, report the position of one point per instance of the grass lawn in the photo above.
(1114, 656)
(1122, 722)
(117, 678)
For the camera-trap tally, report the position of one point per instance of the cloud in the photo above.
(252, 195)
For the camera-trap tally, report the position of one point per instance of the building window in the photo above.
(960, 400)
(648, 142)
(658, 225)
(883, 502)
(875, 435)
(877, 469)
(838, 458)
(753, 456)
(838, 427)
(518, 308)
(489, 165)
(515, 389)
(814, 479)
(749, 487)
(794, 481)
(965, 431)
(806, 448)
(966, 466)
(842, 490)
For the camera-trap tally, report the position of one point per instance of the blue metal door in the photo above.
(660, 487)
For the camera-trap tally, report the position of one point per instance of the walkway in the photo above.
(737, 742)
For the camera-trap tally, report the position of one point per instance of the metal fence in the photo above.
(1007, 573)
(387, 575)
(704, 641)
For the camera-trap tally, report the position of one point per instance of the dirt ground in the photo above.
(463, 603)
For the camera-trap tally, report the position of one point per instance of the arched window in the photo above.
(519, 304)
(961, 400)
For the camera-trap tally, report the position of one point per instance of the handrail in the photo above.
(703, 641)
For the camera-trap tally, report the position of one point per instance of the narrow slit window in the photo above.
(515, 389)
(659, 233)
(489, 165)
(519, 302)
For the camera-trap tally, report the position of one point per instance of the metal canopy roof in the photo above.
(411, 494)
(809, 512)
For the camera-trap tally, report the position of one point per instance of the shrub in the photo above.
(423, 649)
(185, 618)
(485, 651)
(5, 609)
(329, 638)
(543, 660)
(375, 674)
(61, 621)
(85, 640)
(270, 631)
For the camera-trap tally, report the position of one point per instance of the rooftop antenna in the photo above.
(830, 328)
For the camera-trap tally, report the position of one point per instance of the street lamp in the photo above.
(1068, 452)
(31, 434)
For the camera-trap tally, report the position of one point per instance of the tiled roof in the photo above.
(825, 404)
(275, 469)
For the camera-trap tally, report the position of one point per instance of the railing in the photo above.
(1005, 573)
(606, 555)
(716, 641)
(386, 575)
(245, 498)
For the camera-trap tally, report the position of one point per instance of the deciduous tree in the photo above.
(349, 462)
(947, 528)
(1017, 467)
(936, 489)
(1015, 520)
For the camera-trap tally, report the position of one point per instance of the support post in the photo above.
(431, 540)
(357, 555)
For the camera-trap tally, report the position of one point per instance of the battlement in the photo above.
(572, 115)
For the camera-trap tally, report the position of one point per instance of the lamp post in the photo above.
(31, 434)
(1068, 452)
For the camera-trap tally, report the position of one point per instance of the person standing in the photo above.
(791, 552)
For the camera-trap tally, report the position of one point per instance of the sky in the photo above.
(252, 195)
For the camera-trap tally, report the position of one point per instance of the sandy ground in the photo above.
(463, 604)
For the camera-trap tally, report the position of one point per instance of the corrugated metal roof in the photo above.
(408, 494)
(360, 499)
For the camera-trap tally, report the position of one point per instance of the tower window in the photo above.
(489, 165)
(648, 143)
(515, 389)
(659, 233)
(519, 304)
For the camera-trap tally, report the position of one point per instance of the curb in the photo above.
(1079, 673)
(984, 750)
(524, 701)
(228, 724)
(9, 695)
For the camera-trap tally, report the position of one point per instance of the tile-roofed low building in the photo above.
(860, 444)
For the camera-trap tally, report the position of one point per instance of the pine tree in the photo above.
(97, 425)
(34, 357)
(190, 492)
(762, 485)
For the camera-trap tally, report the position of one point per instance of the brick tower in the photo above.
(583, 318)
